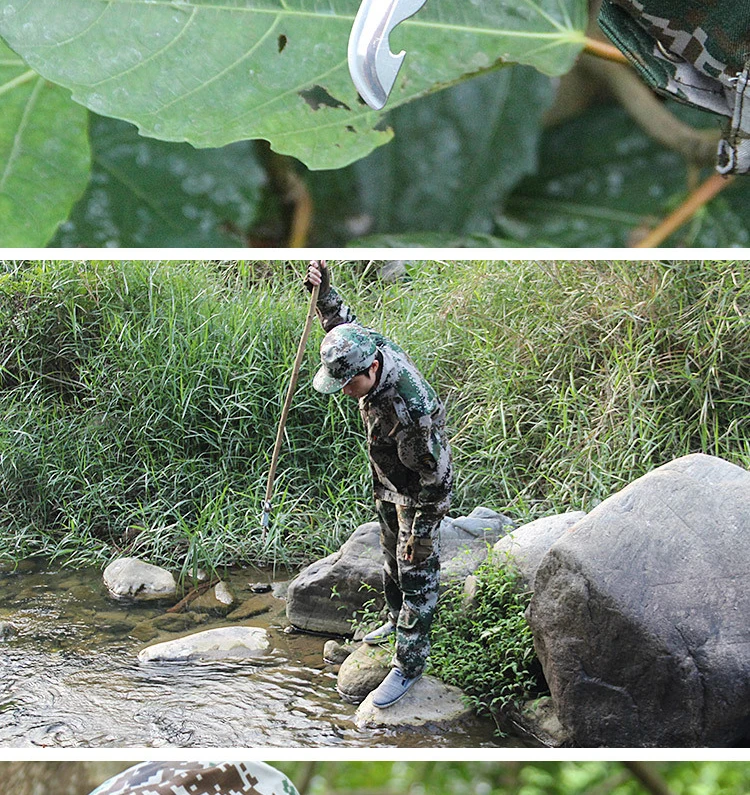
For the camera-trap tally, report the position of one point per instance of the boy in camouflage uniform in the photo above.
(411, 467)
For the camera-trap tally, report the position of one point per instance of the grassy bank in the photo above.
(140, 400)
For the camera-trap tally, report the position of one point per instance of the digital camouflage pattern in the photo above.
(410, 460)
(695, 51)
(410, 589)
(346, 350)
(198, 778)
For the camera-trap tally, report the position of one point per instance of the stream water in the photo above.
(69, 677)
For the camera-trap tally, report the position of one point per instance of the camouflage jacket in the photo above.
(408, 447)
(695, 51)
(198, 778)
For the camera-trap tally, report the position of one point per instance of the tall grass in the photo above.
(140, 399)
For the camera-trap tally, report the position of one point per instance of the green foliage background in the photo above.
(139, 400)
(486, 649)
(474, 777)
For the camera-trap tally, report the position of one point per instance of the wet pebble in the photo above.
(334, 653)
(7, 630)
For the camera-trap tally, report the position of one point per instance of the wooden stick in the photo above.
(699, 197)
(287, 405)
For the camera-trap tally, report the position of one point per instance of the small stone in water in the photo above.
(260, 587)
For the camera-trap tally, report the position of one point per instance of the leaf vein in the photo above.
(220, 74)
(151, 57)
(18, 137)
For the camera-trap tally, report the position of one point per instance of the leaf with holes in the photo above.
(215, 71)
(44, 154)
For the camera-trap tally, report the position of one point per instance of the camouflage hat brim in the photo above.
(324, 382)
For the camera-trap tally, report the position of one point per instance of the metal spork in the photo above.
(372, 65)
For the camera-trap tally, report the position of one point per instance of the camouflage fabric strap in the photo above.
(198, 778)
(694, 51)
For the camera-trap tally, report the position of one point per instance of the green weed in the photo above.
(484, 646)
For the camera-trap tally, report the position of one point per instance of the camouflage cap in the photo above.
(345, 351)
(198, 778)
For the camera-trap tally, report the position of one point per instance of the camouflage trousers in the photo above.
(411, 589)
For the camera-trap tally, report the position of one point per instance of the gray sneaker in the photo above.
(393, 688)
(381, 634)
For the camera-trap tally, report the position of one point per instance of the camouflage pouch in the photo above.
(694, 51)
(418, 548)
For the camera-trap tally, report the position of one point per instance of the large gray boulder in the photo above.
(324, 596)
(526, 547)
(639, 613)
(327, 595)
(131, 578)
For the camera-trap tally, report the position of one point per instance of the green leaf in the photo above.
(44, 154)
(456, 155)
(454, 158)
(211, 72)
(602, 180)
(433, 240)
(149, 193)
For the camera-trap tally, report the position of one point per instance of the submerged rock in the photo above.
(7, 630)
(429, 703)
(362, 671)
(131, 578)
(256, 605)
(167, 622)
(225, 643)
(217, 599)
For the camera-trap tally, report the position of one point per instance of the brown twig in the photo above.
(650, 777)
(292, 193)
(192, 594)
(601, 49)
(308, 771)
(697, 199)
(651, 115)
(609, 784)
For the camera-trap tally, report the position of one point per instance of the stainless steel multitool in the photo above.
(372, 65)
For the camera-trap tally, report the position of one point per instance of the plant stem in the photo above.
(601, 49)
(697, 199)
(652, 116)
(650, 777)
(308, 771)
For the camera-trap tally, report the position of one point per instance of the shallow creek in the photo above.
(69, 676)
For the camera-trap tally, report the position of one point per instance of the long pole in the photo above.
(285, 410)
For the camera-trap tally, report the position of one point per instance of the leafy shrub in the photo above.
(485, 646)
